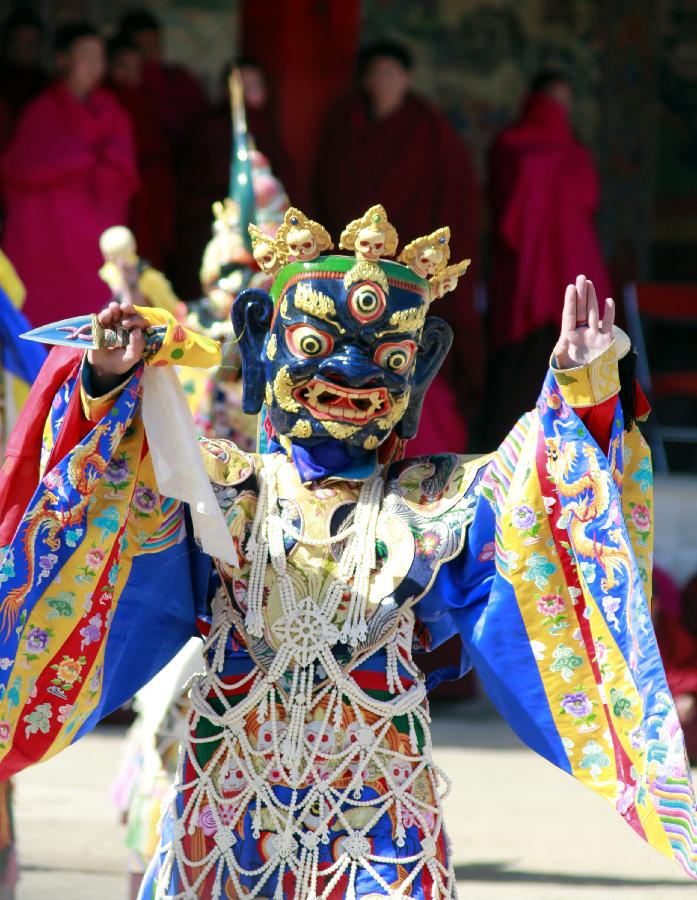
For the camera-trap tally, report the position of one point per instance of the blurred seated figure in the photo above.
(175, 92)
(386, 141)
(68, 174)
(22, 75)
(125, 271)
(152, 211)
(149, 760)
(544, 194)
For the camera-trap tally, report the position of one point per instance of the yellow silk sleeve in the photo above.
(95, 408)
(584, 386)
(180, 346)
(637, 502)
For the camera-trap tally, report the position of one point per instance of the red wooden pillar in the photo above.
(308, 49)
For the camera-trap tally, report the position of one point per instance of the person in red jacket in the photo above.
(68, 173)
(544, 193)
(386, 141)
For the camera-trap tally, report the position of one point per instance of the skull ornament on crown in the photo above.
(371, 236)
(428, 255)
(267, 254)
(304, 239)
(341, 348)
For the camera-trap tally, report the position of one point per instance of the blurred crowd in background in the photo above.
(112, 132)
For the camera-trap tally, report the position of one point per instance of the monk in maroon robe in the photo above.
(22, 75)
(68, 174)
(152, 209)
(388, 143)
(544, 195)
(174, 91)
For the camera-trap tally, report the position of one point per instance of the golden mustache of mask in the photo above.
(283, 388)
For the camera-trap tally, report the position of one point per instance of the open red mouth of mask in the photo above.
(357, 406)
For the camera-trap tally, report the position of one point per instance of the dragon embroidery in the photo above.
(588, 500)
(85, 466)
(588, 503)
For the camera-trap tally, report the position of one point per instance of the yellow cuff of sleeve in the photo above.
(583, 386)
(180, 346)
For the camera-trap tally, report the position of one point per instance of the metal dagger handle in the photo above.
(109, 339)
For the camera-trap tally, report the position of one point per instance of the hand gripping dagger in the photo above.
(85, 333)
(171, 438)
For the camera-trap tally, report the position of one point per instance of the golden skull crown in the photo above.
(370, 237)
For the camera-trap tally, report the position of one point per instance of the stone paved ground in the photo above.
(520, 830)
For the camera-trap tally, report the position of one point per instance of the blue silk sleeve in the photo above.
(463, 582)
(549, 598)
(165, 594)
(470, 599)
(100, 587)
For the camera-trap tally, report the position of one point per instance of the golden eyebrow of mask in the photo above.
(316, 304)
(405, 320)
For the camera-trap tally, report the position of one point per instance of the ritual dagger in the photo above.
(85, 333)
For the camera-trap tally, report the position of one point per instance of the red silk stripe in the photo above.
(598, 420)
(376, 681)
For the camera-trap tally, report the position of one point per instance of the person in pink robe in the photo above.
(68, 173)
(544, 195)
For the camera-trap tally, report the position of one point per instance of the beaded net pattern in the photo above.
(329, 779)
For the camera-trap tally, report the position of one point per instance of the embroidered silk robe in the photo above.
(538, 556)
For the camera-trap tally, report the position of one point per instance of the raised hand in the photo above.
(107, 366)
(583, 336)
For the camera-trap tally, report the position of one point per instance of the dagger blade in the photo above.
(74, 332)
(85, 333)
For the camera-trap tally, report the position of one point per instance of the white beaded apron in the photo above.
(300, 719)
